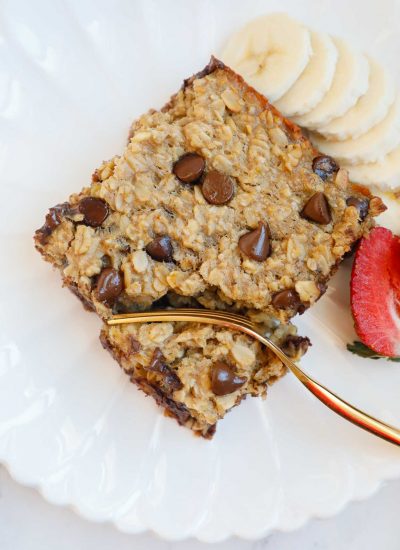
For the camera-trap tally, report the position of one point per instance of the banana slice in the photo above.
(372, 146)
(315, 80)
(270, 52)
(349, 83)
(385, 173)
(370, 109)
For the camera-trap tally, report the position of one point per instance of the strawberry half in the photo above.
(375, 292)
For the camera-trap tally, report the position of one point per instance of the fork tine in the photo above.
(179, 314)
(235, 322)
(167, 312)
(219, 314)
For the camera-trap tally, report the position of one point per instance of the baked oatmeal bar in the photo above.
(216, 199)
(198, 372)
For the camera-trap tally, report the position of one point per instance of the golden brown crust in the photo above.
(215, 64)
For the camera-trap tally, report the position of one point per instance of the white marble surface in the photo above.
(27, 522)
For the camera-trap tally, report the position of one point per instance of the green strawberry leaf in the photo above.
(358, 348)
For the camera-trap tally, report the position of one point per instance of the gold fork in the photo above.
(241, 323)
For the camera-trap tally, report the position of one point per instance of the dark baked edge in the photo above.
(172, 408)
(73, 287)
(211, 66)
(215, 64)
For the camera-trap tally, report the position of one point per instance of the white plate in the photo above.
(72, 76)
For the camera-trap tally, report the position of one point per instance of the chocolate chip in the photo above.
(217, 188)
(160, 249)
(94, 211)
(255, 244)
(158, 365)
(317, 209)
(286, 299)
(134, 345)
(157, 359)
(109, 285)
(303, 308)
(362, 206)
(224, 379)
(324, 166)
(53, 219)
(189, 168)
(296, 345)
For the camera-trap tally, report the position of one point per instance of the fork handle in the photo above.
(352, 413)
(336, 403)
(238, 322)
